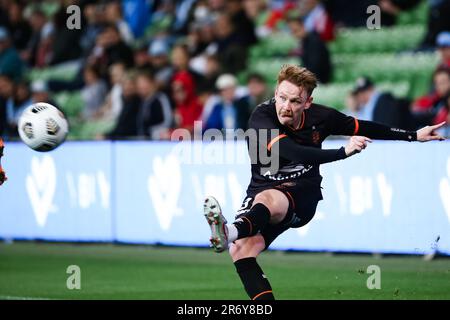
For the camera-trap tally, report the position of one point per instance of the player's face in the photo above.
(290, 101)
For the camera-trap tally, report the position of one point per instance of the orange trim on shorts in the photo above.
(274, 140)
(251, 227)
(356, 127)
(260, 294)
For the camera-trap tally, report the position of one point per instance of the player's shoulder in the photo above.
(263, 112)
(321, 109)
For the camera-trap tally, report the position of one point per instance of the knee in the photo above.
(247, 248)
(276, 204)
(266, 199)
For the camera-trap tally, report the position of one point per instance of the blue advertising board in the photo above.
(392, 198)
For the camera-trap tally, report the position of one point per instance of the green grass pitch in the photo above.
(31, 270)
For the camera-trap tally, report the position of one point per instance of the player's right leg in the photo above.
(268, 206)
(217, 223)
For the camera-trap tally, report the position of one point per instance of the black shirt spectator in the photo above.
(19, 29)
(66, 43)
(312, 50)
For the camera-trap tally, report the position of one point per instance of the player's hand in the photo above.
(427, 133)
(356, 144)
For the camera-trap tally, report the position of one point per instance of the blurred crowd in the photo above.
(151, 66)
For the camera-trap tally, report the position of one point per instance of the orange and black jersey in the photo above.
(299, 151)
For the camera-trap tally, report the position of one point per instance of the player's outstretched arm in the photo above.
(428, 133)
(2, 173)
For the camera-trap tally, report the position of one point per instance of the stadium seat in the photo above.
(334, 95)
(418, 15)
(412, 67)
(70, 103)
(386, 39)
(64, 71)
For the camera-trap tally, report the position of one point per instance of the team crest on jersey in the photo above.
(316, 137)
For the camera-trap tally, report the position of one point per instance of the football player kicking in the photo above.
(277, 201)
(3, 177)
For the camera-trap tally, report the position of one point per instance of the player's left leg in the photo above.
(244, 253)
(3, 177)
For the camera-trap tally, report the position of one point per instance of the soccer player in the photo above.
(3, 177)
(277, 201)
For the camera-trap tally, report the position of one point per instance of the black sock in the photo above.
(254, 280)
(253, 221)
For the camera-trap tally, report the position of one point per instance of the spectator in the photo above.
(426, 108)
(16, 104)
(137, 15)
(110, 49)
(229, 112)
(94, 22)
(277, 14)
(66, 42)
(44, 49)
(376, 106)
(200, 36)
(37, 21)
(211, 72)
(352, 108)
(187, 105)
(112, 105)
(114, 15)
(443, 115)
(180, 59)
(257, 91)
(443, 46)
(316, 18)
(181, 15)
(158, 53)
(312, 50)
(343, 17)
(6, 92)
(10, 62)
(438, 21)
(93, 92)
(228, 47)
(246, 35)
(155, 115)
(127, 121)
(256, 10)
(19, 29)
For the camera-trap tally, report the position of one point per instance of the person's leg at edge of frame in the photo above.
(269, 206)
(3, 177)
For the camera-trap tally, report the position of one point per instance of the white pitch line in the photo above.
(22, 298)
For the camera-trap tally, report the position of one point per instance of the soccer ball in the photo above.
(43, 127)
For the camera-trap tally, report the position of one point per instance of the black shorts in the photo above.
(303, 199)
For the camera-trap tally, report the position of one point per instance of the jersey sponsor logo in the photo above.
(288, 172)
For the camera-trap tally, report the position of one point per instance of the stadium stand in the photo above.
(388, 55)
